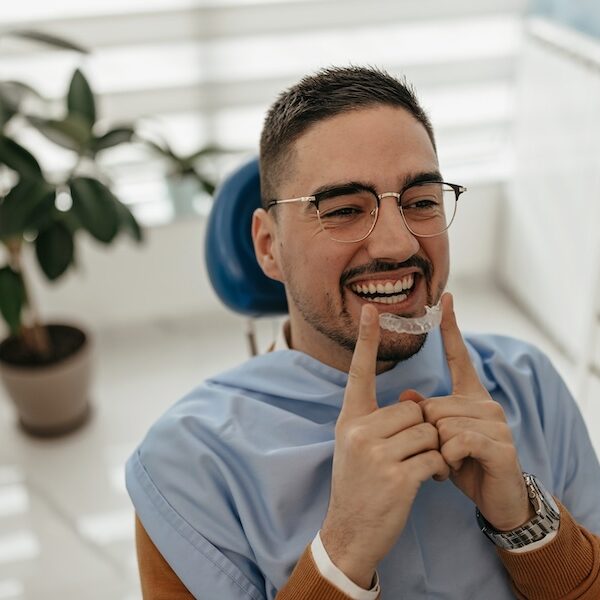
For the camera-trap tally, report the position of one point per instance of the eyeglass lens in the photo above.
(428, 210)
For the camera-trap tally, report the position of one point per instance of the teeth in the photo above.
(388, 288)
(389, 299)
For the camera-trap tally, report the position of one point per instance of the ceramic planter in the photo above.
(51, 399)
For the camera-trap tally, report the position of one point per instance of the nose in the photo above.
(390, 238)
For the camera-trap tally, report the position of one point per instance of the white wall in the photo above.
(551, 244)
(126, 282)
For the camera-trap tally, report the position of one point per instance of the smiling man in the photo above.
(353, 462)
(358, 154)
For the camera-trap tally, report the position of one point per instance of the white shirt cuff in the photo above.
(330, 572)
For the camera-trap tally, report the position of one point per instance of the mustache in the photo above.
(380, 266)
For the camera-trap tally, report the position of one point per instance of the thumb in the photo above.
(411, 394)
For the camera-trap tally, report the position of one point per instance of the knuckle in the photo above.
(511, 454)
(364, 334)
(412, 411)
(496, 411)
(446, 453)
(443, 426)
(467, 438)
(427, 432)
(433, 461)
(428, 409)
(357, 373)
(355, 437)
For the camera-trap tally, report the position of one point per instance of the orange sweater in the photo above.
(567, 568)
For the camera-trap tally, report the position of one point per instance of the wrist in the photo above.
(519, 519)
(346, 559)
(546, 519)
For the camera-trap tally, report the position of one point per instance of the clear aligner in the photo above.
(415, 325)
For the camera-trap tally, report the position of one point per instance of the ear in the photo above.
(264, 239)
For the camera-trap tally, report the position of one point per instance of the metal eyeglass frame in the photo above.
(458, 190)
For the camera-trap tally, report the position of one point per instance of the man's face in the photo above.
(383, 147)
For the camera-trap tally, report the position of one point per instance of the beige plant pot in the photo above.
(51, 400)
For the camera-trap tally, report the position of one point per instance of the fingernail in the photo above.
(366, 316)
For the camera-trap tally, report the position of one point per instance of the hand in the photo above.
(475, 439)
(381, 457)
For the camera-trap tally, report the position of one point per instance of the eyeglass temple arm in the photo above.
(301, 199)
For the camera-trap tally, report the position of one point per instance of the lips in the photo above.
(394, 289)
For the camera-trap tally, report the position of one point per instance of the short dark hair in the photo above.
(327, 93)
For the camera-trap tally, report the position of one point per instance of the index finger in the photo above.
(360, 395)
(463, 373)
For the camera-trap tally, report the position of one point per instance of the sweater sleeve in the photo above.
(159, 581)
(567, 568)
(306, 582)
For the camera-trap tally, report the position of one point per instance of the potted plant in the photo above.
(46, 367)
(189, 176)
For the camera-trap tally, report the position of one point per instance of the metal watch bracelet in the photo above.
(545, 520)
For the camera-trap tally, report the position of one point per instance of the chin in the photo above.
(395, 347)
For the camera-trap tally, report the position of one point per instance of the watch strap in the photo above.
(546, 520)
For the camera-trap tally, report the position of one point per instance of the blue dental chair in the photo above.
(234, 272)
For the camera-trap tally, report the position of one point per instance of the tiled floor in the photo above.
(65, 520)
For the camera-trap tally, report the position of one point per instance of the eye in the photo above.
(341, 212)
(345, 208)
(423, 204)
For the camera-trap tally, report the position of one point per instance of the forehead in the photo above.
(381, 144)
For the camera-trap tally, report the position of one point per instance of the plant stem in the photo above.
(35, 336)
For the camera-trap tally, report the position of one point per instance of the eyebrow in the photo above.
(410, 179)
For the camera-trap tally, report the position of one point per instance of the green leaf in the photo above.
(95, 207)
(19, 159)
(209, 187)
(42, 213)
(51, 40)
(54, 248)
(7, 112)
(206, 184)
(114, 137)
(12, 298)
(12, 94)
(25, 207)
(80, 99)
(164, 150)
(15, 91)
(128, 222)
(72, 132)
(206, 151)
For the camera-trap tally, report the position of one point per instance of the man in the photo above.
(349, 462)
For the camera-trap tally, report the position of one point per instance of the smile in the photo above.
(385, 291)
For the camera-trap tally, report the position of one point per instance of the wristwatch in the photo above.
(546, 519)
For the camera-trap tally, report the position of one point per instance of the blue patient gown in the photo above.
(233, 481)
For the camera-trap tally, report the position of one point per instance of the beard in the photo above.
(341, 328)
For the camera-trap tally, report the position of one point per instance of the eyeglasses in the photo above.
(349, 213)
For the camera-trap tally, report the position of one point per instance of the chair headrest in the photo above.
(234, 272)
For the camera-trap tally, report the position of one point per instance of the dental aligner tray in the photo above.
(415, 325)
